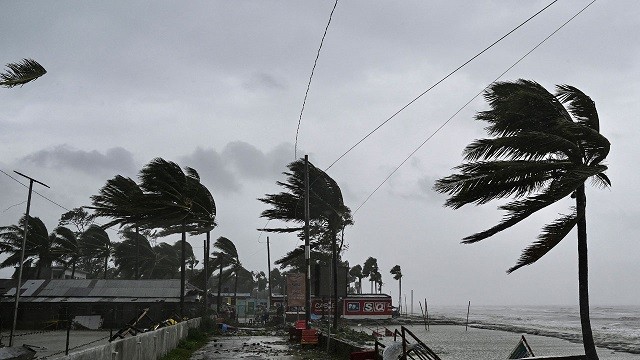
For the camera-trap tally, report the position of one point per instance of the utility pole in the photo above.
(269, 269)
(24, 243)
(207, 243)
(307, 248)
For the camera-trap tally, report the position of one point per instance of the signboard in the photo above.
(322, 307)
(295, 289)
(368, 308)
(323, 281)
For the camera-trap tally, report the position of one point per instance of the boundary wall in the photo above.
(151, 345)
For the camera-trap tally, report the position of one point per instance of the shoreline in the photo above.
(573, 338)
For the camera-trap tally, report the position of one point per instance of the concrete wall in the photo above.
(151, 345)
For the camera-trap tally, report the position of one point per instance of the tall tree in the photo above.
(327, 212)
(134, 257)
(540, 152)
(369, 269)
(21, 72)
(167, 198)
(356, 272)
(397, 275)
(41, 248)
(226, 256)
(95, 244)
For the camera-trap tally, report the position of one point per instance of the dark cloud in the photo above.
(113, 161)
(264, 81)
(236, 162)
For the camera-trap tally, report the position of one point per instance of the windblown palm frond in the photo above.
(21, 73)
(134, 253)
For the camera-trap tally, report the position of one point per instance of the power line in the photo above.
(438, 82)
(295, 148)
(471, 100)
(42, 196)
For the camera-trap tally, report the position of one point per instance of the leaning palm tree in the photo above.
(226, 249)
(134, 257)
(327, 212)
(167, 198)
(67, 248)
(21, 73)
(369, 269)
(541, 152)
(41, 248)
(397, 275)
(178, 203)
(167, 264)
(95, 244)
(356, 272)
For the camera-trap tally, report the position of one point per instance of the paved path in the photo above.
(247, 347)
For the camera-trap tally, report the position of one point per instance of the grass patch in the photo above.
(196, 339)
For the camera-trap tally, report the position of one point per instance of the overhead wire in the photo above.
(438, 83)
(471, 100)
(315, 62)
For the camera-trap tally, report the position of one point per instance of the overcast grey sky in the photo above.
(218, 86)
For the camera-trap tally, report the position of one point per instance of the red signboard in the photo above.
(372, 308)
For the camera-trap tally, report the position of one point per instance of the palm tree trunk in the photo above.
(583, 278)
(334, 265)
(73, 269)
(219, 288)
(399, 295)
(235, 294)
(183, 256)
(106, 262)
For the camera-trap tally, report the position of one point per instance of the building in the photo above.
(48, 303)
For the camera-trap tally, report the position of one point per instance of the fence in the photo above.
(146, 346)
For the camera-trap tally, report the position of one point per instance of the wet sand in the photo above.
(452, 342)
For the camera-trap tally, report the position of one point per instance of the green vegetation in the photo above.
(196, 339)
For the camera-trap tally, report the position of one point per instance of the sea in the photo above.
(616, 329)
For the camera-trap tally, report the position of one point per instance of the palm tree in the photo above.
(369, 269)
(167, 264)
(132, 254)
(397, 275)
(376, 278)
(227, 256)
(167, 198)
(41, 248)
(21, 73)
(541, 152)
(327, 212)
(356, 272)
(95, 244)
(68, 248)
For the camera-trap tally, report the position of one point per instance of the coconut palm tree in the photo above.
(356, 272)
(95, 244)
(227, 256)
(369, 269)
(41, 248)
(397, 275)
(327, 212)
(68, 248)
(21, 73)
(544, 147)
(134, 257)
(167, 264)
(167, 198)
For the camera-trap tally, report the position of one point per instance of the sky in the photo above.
(219, 86)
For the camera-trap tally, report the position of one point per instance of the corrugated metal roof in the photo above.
(81, 288)
(93, 300)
